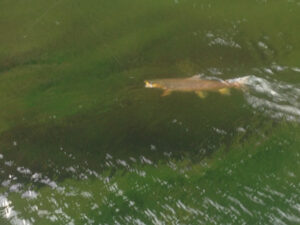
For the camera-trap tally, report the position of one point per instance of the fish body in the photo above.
(194, 84)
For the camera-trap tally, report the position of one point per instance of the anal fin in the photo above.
(224, 91)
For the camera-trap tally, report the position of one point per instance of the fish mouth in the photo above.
(148, 84)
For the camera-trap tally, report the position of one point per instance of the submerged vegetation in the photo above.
(241, 178)
(83, 142)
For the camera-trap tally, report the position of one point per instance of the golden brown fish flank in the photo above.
(192, 84)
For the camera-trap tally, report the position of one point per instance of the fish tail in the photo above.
(240, 82)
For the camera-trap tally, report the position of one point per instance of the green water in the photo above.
(83, 142)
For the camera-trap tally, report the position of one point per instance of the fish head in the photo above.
(153, 84)
(148, 84)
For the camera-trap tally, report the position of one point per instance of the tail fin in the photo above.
(240, 82)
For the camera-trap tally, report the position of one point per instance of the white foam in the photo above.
(278, 99)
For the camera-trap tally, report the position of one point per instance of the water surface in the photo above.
(83, 142)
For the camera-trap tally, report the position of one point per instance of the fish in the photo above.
(196, 84)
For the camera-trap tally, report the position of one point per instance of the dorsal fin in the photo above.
(196, 77)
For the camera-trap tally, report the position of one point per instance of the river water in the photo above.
(82, 141)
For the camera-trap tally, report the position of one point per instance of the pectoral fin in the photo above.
(166, 93)
(201, 94)
(224, 91)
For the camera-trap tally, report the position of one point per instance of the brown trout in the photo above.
(195, 84)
